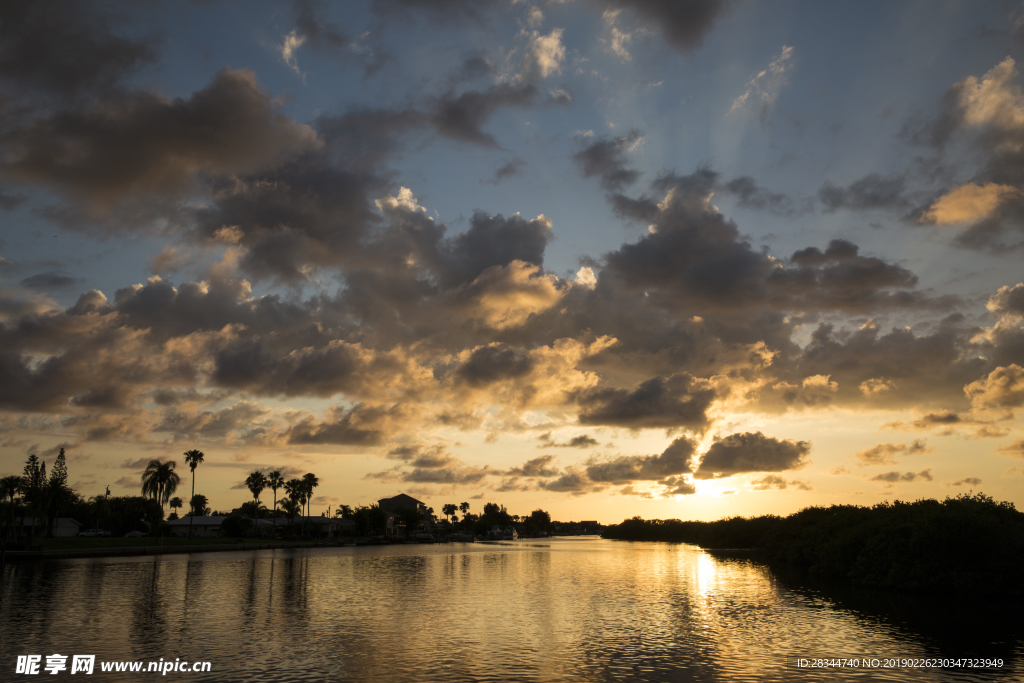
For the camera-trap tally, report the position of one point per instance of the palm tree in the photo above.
(464, 508)
(160, 481)
(275, 481)
(296, 490)
(256, 481)
(310, 481)
(193, 458)
(448, 509)
(199, 506)
(176, 504)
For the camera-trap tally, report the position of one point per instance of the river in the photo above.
(567, 609)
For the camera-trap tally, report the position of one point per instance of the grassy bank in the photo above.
(967, 544)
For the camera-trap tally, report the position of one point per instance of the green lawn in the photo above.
(89, 543)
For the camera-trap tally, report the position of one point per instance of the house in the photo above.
(321, 525)
(202, 526)
(62, 526)
(402, 501)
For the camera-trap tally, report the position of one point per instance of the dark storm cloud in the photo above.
(303, 214)
(678, 401)
(494, 363)
(66, 48)
(257, 366)
(168, 311)
(606, 158)
(694, 260)
(923, 370)
(751, 452)
(682, 24)
(629, 468)
(461, 116)
(491, 241)
(868, 193)
(141, 143)
(48, 281)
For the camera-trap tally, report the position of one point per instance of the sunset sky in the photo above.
(602, 257)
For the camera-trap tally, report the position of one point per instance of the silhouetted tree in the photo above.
(192, 459)
(198, 506)
(256, 482)
(275, 481)
(160, 481)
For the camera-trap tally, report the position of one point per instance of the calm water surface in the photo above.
(558, 610)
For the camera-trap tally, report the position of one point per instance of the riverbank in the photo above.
(963, 545)
(135, 550)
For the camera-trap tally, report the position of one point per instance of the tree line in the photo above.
(961, 545)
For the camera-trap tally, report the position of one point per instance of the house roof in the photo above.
(401, 499)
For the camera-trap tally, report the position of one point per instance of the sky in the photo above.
(604, 258)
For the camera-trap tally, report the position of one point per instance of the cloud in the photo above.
(967, 481)
(581, 441)
(774, 481)
(361, 425)
(968, 203)
(755, 198)
(50, 281)
(766, 86)
(139, 144)
(544, 55)
(1008, 300)
(1014, 449)
(683, 25)
(872, 192)
(893, 477)
(673, 402)
(606, 157)
(751, 452)
(622, 469)
(535, 467)
(461, 117)
(1001, 388)
(67, 49)
(883, 453)
(506, 170)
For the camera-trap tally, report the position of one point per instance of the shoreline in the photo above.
(80, 553)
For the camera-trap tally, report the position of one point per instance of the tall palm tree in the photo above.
(464, 508)
(275, 481)
(310, 481)
(176, 504)
(256, 481)
(160, 481)
(193, 458)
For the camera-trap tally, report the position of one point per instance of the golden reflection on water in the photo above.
(558, 610)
